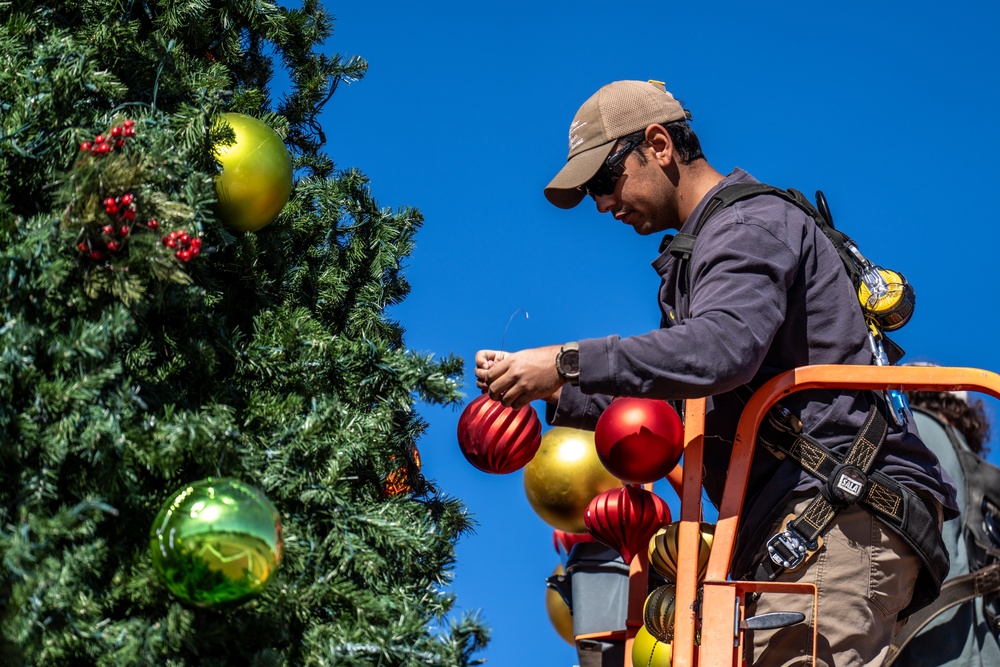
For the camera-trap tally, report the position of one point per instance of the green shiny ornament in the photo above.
(256, 178)
(216, 542)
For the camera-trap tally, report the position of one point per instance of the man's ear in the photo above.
(663, 148)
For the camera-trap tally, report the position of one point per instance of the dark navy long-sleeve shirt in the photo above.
(768, 293)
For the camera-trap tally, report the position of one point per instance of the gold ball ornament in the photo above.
(658, 613)
(648, 651)
(563, 477)
(663, 548)
(216, 542)
(256, 178)
(559, 612)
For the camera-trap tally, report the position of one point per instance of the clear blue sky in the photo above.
(889, 107)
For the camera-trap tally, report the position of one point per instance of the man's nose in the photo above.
(605, 203)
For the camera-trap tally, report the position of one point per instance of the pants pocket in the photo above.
(894, 570)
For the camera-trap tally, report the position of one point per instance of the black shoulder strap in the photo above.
(682, 245)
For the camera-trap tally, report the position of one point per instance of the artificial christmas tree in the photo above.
(148, 346)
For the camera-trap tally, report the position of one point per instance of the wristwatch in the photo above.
(568, 363)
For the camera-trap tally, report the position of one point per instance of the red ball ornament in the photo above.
(496, 439)
(625, 518)
(564, 542)
(639, 440)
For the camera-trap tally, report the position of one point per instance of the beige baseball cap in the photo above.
(617, 109)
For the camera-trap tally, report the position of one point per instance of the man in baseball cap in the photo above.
(616, 110)
(748, 290)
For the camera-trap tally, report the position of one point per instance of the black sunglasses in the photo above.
(604, 181)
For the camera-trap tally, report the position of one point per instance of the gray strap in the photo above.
(954, 592)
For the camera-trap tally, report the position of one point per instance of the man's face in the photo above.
(643, 196)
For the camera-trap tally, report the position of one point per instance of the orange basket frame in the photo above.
(722, 605)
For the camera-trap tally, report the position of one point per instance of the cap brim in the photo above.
(564, 190)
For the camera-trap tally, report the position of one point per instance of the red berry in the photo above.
(184, 238)
(129, 214)
(101, 148)
(129, 123)
(96, 255)
(109, 201)
(123, 231)
(127, 198)
(81, 246)
(113, 246)
(85, 146)
(170, 243)
(194, 250)
(119, 143)
(99, 139)
(129, 131)
(195, 242)
(152, 224)
(173, 235)
(108, 230)
(116, 131)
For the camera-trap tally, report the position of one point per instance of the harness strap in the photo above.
(847, 481)
(955, 591)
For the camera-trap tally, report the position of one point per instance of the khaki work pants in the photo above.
(864, 574)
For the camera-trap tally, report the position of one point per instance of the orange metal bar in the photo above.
(638, 578)
(721, 612)
(689, 533)
(927, 378)
(724, 606)
(676, 479)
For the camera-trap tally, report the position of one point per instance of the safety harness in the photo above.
(849, 479)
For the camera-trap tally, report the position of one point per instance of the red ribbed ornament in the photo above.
(639, 440)
(496, 439)
(625, 518)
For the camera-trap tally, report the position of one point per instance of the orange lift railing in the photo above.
(721, 608)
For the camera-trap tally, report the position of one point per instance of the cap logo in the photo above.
(574, 138)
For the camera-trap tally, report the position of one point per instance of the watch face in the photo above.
(571, 362)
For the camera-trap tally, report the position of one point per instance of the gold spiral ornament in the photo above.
(658, 613)
(664, 547)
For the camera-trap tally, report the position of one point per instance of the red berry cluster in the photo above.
(105, 144)
(113, 235)
(187, 246)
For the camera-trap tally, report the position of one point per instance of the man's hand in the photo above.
(517, 378)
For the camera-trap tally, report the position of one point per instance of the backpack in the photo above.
(886, 298)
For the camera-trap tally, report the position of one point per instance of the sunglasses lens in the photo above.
(601, 184)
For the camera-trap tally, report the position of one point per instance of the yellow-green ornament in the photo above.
(216, 542)
(256, 178)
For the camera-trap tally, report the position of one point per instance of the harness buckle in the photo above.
(789, 548)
